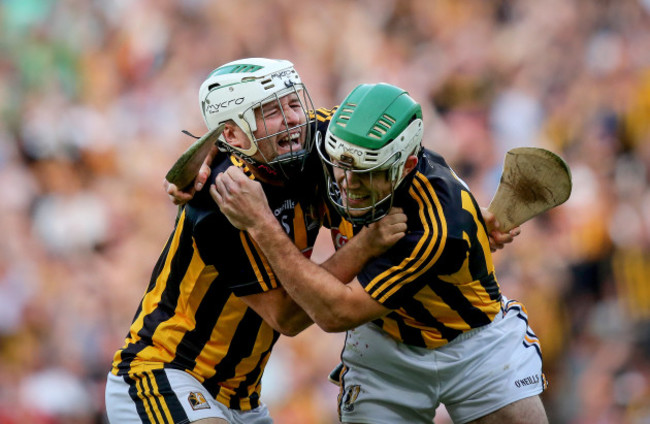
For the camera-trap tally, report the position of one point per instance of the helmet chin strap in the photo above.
(275, 171)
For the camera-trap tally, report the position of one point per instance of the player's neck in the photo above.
(267, 175)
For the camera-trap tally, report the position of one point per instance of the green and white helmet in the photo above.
(376, 128)
(233, 91)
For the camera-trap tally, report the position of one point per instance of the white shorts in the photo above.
(479, 372)
(169, 396)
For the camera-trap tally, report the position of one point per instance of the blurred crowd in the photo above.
(94, 95)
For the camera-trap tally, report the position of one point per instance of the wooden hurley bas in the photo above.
(187, 167)
(533, 181)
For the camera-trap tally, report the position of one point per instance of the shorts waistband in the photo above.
(468, 334)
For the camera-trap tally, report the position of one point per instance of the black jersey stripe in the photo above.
(150, 404)
(241, 346)
(160, 263)
(421, 312)
(410, 335)
(263, 270)
(158, 304)
(141, 403)
(158, 402)
(211, 299)
(480, 262)
(172, 404)
(428, 249)
(253, 378)
(453, 297)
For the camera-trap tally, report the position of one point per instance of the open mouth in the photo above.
(356, 199)
(289, 143)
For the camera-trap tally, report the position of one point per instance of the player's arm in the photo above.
(332, 304)
(373, 240)
(279, 310)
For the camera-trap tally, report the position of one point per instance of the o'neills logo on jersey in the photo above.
(530, 380)
(197, 401)
(286, 205)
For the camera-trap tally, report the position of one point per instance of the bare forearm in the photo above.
(348, 261)
(331, 299)
(320, 293)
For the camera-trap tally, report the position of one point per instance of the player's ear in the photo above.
(410, 164)
(235, 136)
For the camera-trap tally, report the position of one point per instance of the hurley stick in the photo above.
(187, 167)
(533, 181)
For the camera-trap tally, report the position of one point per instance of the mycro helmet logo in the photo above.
(211, 108)
(198, 401)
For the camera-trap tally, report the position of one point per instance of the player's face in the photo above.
(280, 127)
(362, 190)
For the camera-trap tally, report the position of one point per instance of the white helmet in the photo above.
(233, 91)
(376, 128)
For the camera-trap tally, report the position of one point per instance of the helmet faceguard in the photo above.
(371, 135)
(240, 92)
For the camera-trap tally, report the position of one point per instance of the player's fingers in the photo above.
(216, 196)
(202, 177)
(205, 170)
(400, 225)
(236, 174)
(494, 246)
(502, 238)
(396, 215)
(490, 219)
(220, 185)
(177, 196)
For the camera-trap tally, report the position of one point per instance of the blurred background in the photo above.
(94, 95)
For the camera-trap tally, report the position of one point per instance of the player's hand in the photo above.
(383, 234)
(241, 199)
(497, 238)
(181, 196)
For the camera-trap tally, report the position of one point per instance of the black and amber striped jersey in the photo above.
(191, 317)
(439, 279)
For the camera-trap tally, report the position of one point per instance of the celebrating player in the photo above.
(213, 310)
(426, 321)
